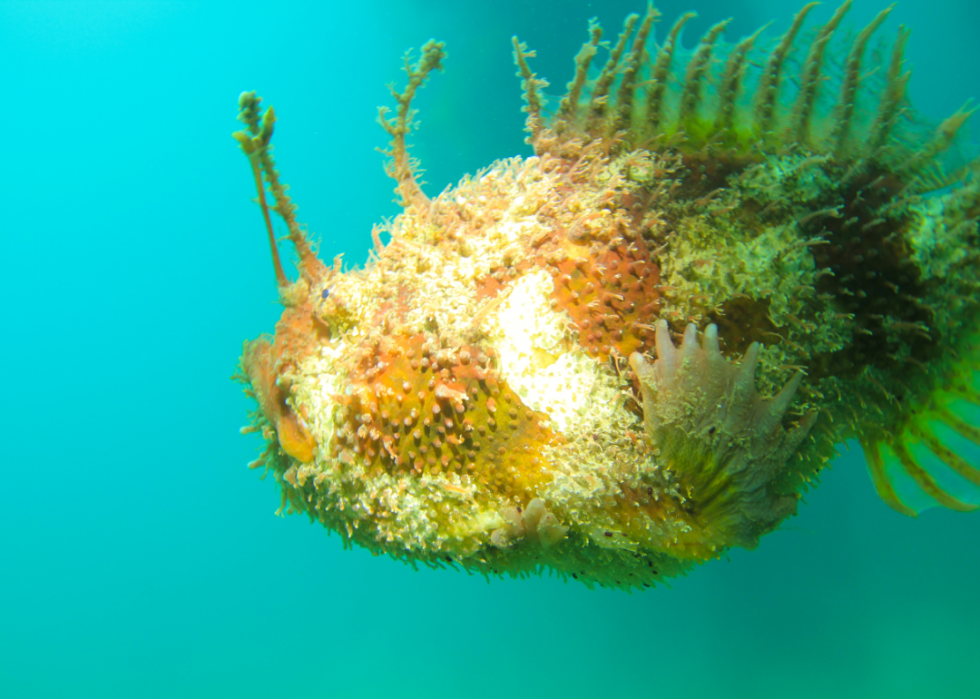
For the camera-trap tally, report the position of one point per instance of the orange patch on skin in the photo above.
(487, 288)
(294, 438)
(612, 297)
(411, 408)
(258, 363)
(297, 336)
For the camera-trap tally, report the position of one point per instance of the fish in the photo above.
(636, 349)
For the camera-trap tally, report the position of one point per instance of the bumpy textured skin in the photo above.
(515, 384)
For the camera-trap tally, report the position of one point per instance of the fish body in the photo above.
(637, 348)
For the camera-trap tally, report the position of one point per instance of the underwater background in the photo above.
(140, 557)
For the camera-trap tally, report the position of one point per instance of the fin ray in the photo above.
(967, 431)
(926, 481)
(882, 484)
(956, 462)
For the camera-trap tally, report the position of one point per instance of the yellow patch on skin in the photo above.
(294, 438)
(541, 359)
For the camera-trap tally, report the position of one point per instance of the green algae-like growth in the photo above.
(637, 348)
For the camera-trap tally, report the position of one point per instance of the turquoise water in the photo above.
(140, 558)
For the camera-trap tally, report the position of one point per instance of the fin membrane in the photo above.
(934, 458)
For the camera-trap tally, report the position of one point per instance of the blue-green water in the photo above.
(140, 558)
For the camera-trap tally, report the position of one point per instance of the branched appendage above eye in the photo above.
(719, 437)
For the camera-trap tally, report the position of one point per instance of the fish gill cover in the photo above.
(620, 357)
